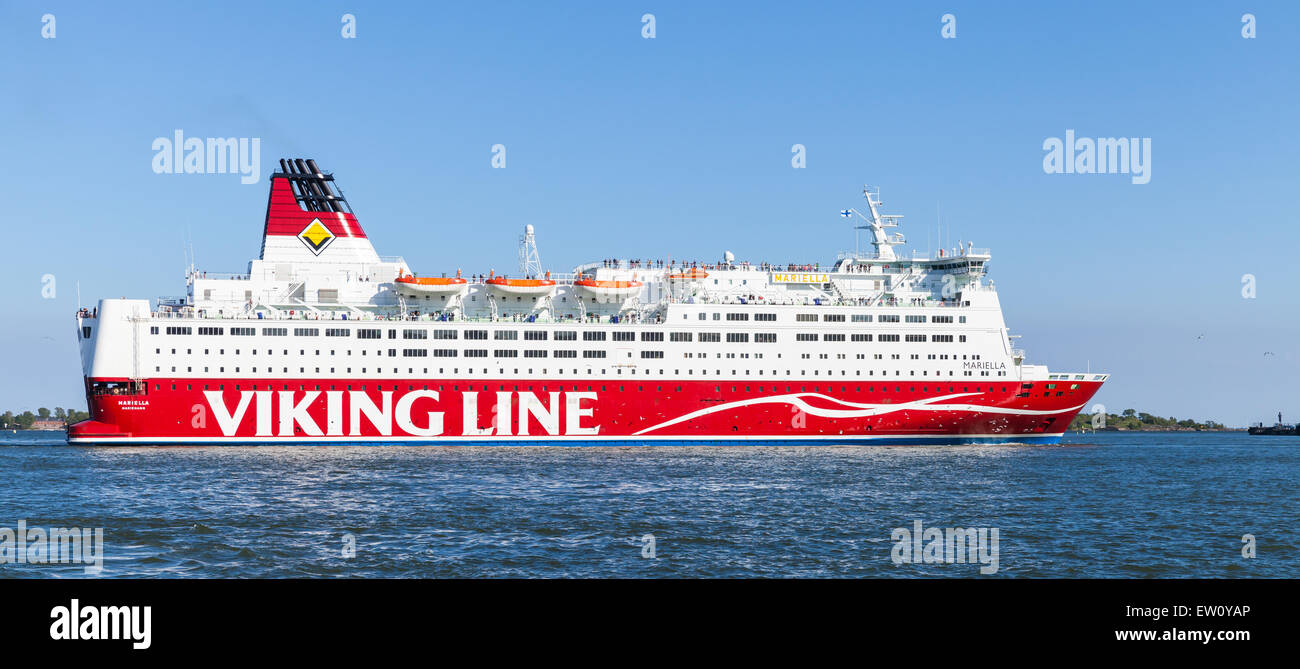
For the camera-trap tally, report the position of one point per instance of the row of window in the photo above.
(139, 388)
(539, 335)
(912, 338)
(568, 353)
(500, 335)
(510, 353)
(867, 318)
(689, 372)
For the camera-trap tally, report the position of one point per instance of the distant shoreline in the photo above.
(1168, 429)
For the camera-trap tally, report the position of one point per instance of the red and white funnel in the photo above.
(308, 219)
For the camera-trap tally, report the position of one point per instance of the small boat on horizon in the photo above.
(1277, 429)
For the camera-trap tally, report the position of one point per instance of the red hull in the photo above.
(192, 411)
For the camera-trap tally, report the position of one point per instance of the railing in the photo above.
(915, 255)
(335, 311)
(874, 300)
(856, 255)
(224, 276)
(189, 314)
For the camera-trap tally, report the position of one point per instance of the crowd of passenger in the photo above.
(672, 265)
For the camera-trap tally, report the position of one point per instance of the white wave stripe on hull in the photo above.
(860, 410)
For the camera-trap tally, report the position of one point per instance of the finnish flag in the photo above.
(846, 213)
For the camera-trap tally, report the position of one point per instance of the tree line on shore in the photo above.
(23, 421)
(1130, 419)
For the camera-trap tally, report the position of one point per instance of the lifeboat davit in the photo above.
(521, 287)
(692, 274)
(432, 286)
(604, 291)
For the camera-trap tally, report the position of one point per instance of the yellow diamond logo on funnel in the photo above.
(316, 236)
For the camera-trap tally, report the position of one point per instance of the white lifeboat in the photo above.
(431, 286)
(608, 291)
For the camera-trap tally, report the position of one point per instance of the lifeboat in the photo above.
(692, 274)
(437, 286)
(521, 287)
(604, 291)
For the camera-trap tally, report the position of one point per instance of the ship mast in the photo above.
(877, 223)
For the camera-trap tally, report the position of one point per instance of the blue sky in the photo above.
(681, 145)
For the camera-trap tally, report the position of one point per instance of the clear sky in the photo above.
(680, 146)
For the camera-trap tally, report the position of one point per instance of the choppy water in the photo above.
(1110, 505)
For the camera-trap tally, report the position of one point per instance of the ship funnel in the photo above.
(307, 218)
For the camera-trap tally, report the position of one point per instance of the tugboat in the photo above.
(1277, 429)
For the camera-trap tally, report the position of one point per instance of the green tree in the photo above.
(43, 413)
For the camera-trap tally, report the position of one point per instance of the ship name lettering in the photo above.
(415, 413)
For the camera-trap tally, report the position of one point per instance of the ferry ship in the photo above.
(324, 341)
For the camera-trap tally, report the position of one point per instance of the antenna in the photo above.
(878, 222)
(189, 250)
(529, 262)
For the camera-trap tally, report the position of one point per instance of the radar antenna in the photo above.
(529, 262)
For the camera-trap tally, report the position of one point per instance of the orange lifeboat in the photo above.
(432, 285)
(608, 290)
(692, 274)
(521, 287)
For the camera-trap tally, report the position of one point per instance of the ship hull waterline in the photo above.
(581, 412)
